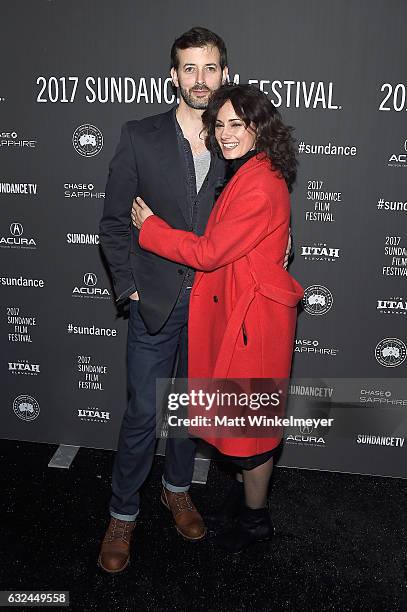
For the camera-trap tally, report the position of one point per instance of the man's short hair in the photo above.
(198, 37)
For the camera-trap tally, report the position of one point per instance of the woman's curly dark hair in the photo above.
(253, 107)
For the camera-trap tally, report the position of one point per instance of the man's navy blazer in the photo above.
(148, 163)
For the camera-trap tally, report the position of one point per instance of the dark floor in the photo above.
(341, 541)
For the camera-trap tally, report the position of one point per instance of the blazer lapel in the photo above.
(170, 163)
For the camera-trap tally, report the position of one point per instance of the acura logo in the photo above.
(16, 229)
(90, 279)
(306, 430)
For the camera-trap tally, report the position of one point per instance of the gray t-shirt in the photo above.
(201, 163)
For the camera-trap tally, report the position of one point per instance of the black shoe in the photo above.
(252, 526)
(230, 509)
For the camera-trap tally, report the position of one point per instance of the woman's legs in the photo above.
(256, 482)
(224, 516)
(254, 522)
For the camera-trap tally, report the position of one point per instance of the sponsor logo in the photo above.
(90, 290)
(310, 391)
(82, 239)
(94, 415)
(398, 160)
(319, 251)
(317, 300)
(13, 140)
(23, 367)
(308, 436)
(312, 347)
(380, 396)
(16, 240)
(16, 229)
(394, 305)
(390, 352)
(87, 140)
(26, 407)
(19, 188)
(82, 190)
(380, 440)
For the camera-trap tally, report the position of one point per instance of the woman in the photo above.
(242, 312)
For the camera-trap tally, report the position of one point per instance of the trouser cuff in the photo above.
(173, 488)
(124, 517)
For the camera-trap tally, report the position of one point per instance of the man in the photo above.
(164, 160)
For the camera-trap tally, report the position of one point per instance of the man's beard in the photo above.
(197, 103)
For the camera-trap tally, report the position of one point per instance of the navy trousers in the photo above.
(150, 357)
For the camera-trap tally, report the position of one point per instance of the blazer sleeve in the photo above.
(115, 225)
(247, 220)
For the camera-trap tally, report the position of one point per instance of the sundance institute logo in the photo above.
(87, 140)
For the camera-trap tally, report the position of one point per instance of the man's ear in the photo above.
(174, 76)
(225, 75)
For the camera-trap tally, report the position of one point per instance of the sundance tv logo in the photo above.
(87, 140)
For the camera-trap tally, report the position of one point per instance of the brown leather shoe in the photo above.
(188, 521)
(115, 551)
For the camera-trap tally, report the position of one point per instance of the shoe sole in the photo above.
(179, 531)
(113, 571)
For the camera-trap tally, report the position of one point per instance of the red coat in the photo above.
(242, 313)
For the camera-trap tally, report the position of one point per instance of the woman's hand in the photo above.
(139, 212)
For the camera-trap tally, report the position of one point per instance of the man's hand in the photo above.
(134, 296)
(139, 212)
(288, 249)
